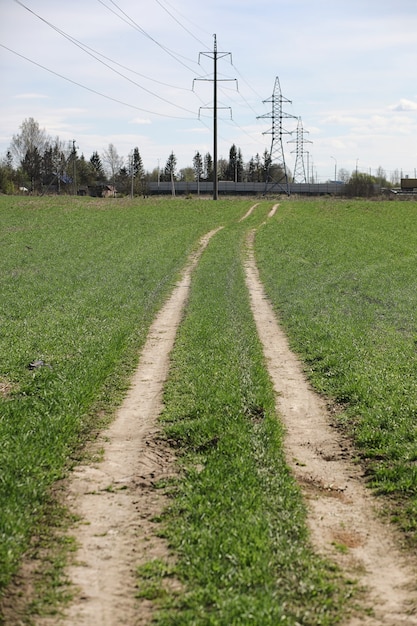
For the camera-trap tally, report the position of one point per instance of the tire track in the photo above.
(116, 498)
(343, 520)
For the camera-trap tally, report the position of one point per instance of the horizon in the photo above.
(103, 72)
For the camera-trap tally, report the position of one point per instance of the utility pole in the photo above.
(132, 174)
(74, 167)
(215, 55)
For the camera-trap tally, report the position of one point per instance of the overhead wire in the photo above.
(221, 88)
(179, 22)
(122, 15)
(131, 22)
(99, 93)
(93, 53)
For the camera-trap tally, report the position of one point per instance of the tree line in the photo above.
(38, 163)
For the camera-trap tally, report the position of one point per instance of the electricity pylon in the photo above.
(299, 175)
(277, 170)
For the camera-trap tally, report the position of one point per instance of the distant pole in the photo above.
(215, 55)
(132, 165)
(215, 176)
(74, 167)
(172, 183)
(335, 168)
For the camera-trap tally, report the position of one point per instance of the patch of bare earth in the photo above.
(115, 498)
(343, 514)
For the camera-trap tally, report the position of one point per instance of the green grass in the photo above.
(237, 522)
(343, 278)
(80, 283)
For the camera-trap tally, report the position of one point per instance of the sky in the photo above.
(139, 73)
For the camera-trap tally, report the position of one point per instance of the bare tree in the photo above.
(31, 139)
(113, 161)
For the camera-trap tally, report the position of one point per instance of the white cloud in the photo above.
(404, 105)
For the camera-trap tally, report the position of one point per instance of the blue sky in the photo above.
(347, 67)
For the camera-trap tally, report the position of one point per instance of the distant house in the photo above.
(109, 191)
(102, 190)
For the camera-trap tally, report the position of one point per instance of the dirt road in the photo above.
(115, 498)
(116, 501)
(343, 514)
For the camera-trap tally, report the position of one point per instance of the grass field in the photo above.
(343, 278)
(80, 283)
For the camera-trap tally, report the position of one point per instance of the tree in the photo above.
(123, 179)
(381, 177)
(198, 166)
(6, 174)
(395, 177)
(222, 165)
(187, 174)
(251, 171)
(85, 174)
(234, 168)
(31, 165)
(138, 169)
(208, 167)
(28, 148)
(266, 166)
(31, 139)
(54, 162)
(254, 170)
(97, 167)
(360, 184)
(343, 175)
(136, 172)
(170, 168)
(114, 163)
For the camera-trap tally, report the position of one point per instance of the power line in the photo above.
(128, 20)
(91, 52)
(208, 33)
(85, 46)
(98, 93)
(179, 23)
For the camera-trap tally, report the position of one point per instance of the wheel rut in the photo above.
(343, 514)
(116, 499)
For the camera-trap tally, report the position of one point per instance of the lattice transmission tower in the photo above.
(277, 170)
(299, 175)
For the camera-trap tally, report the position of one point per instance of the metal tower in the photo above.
(299, 175)
(277, 170)
(215, 55)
